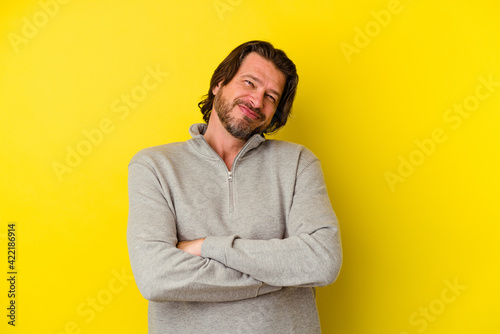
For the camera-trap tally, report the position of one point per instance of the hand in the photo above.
(192, 247)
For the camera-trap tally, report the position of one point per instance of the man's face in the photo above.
(246, 104)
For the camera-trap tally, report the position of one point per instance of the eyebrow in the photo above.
(254, 78)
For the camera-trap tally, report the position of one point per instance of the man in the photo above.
(229, 232)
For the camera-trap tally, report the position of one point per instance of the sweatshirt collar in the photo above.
(202, 146)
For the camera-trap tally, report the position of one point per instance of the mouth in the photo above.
(248, 112)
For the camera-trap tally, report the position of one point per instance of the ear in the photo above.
(216, 89)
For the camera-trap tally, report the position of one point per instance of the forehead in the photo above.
(256, 65)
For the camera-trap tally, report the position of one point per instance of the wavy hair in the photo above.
(227, 69)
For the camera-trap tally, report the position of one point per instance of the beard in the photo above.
(240, 128)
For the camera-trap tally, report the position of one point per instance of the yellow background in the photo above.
(361, 111)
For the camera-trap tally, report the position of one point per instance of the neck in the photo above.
(222, 142)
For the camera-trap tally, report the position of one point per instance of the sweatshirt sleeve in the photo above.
(162, 271)
(311, 255)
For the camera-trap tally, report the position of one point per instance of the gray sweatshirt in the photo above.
(271, 237)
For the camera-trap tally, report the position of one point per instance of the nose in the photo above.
(256, 99)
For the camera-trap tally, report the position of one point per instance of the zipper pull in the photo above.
(230, 176)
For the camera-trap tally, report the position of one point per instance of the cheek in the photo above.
(270, 113)
(269, 119)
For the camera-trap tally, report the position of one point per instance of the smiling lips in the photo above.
(248, 112)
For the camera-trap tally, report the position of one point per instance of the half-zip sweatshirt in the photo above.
(271, 236)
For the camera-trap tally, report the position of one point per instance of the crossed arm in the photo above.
(227, 267)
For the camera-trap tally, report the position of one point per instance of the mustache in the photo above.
(255, 110)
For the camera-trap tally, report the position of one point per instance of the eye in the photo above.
(249, 83)
(270, 97)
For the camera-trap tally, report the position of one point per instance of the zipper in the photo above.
(230, 174)
(231, 200)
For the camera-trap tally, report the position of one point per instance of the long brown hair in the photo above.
(229, 66)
